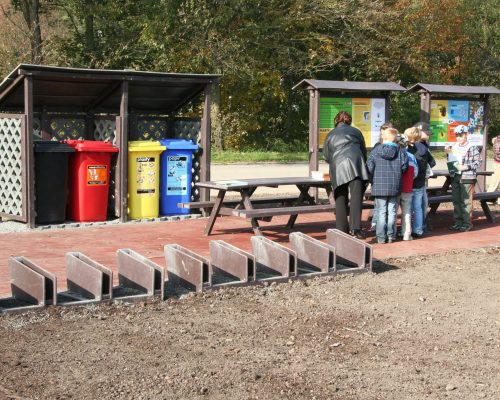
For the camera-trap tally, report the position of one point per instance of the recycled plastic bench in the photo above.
(483, 197)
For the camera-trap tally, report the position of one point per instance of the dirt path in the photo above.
(422, 327)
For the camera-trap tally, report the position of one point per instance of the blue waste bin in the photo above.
(175, 175)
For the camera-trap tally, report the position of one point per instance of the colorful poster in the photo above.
(378, 119)
(329, 107)
(361, 117)
(368, 115)
(476, 122)
(458, 111)
(448, 115)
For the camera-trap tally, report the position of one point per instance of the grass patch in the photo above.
(230, 156)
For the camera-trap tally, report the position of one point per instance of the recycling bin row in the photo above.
(72, 179)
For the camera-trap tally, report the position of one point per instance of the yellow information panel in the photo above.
(368, 115)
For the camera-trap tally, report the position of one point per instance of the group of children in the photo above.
(399, 166)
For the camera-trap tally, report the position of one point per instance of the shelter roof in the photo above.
(60, 88)
(349, 86)
(453, 89)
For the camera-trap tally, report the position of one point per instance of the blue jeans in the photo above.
(386, 217)
(417, 208)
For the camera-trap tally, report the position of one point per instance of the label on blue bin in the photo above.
(177, 175)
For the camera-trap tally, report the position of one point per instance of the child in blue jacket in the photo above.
(386, 165)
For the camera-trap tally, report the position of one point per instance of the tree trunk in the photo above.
(31, 14)
(216, 120)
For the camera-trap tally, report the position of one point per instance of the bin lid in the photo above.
(51, 146)
(179, 144)
(145, 145)
(95, 146)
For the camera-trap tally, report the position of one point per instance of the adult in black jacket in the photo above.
(345, 151)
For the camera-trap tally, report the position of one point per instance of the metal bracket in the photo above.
(273, 260)
(138, 276)
(31, 286)
(230, 265)
(313, 256)
(87, 280)
(187, 268)
(353, 254)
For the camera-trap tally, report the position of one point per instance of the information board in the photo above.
(368, 115)
(447, 115)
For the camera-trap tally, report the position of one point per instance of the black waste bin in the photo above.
(51, 180)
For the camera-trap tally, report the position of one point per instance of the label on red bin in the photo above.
(97, 175)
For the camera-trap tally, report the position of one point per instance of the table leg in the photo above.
(304, 196)
(444, 190)
(487, 212)
(215, 212)
(247, 204)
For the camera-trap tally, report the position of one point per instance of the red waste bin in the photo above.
(89, 172)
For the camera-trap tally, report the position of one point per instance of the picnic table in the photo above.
(304, 203)
(444, 196)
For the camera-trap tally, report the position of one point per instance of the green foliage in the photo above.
(263, 48)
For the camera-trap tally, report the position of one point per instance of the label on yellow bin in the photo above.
(144, 179)
(146, 176)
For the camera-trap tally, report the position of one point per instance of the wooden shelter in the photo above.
(429, 92)
(45, 102)
(340, 89)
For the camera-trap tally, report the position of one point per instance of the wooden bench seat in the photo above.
(193, 205)
(483, 197)
(274, 211)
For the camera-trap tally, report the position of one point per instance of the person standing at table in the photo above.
(345, 152)
(386, 165)
(495, 179)
(424, 159)
(424, 139)
(463, 160)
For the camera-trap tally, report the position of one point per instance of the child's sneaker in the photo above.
(373, 228)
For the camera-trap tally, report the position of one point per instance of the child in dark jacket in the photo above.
(386, 165)
(424, 158)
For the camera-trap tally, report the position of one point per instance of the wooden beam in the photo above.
(121, 177)
(177, 80)
(103, 96)
(314, 96)
(205, 140)
(29, 156)
(10, 88)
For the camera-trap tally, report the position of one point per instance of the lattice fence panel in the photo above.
(150, 129)
(37, 127)
(105, 129)
(67, 128)
(11, 185)
(190, 129)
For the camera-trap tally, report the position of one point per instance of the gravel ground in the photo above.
(421, 327)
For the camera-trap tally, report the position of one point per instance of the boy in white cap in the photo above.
(463, 160)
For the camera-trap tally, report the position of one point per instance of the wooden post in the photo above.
(387, 98)
(425, 107)
(314, 96)
(205, 140)
(29, 156)
(481, 180)
(121, 177)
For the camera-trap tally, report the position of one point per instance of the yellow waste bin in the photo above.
(144, 179)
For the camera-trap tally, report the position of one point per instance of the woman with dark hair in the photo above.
(345, 151)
